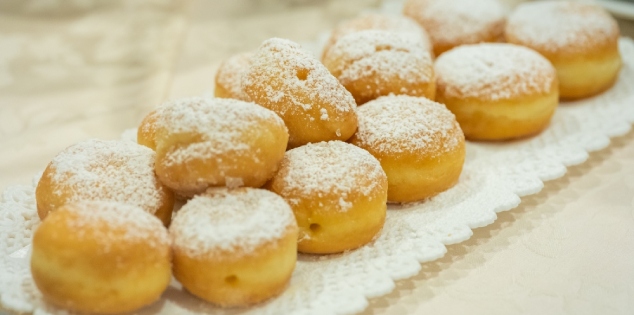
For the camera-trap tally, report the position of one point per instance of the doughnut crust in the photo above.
(206, 142)
(337, 192)
(229, 76)
(120, 171)
(101, 257)
(234, 247)
(458, 22)
(146, 133)
(418, 142)
(374, 63)
(384, 22)
(289, 81)
(497, 91)
(579, 39)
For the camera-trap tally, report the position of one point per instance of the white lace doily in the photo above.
(495, 176)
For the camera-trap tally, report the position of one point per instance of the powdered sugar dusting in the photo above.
(329, 167)
(406, 124)
(291, 79)
(562, 25)
(216, 124)
(324, 114)
(229, 220)
(381, 54)
(494, 72)
(458, 21)
(375, 21)
(120, 171)
(113, 221)
(230, 73)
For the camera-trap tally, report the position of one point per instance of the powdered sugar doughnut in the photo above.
(234, 247)
(229, 76)
(497, 91)
(338, 193)
(120, 171)
(375, 21)
(374, 63)
(101, 257)
(418, 142)
(289, 81)
(458, 22)
(579, 39)
(205, 142)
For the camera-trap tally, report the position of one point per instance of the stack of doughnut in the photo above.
(295, 155)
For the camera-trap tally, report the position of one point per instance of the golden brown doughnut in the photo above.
(229, 76)
(374, 63)
(101, 257)
(338, 193)
(497, 91)
(579, 39)
(291, 82)
(376, 21)
(452, 23)
(234, 247)
(206, 142)
(418, 142)
(120, 171)
(146, 133)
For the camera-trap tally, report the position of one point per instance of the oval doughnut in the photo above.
(337, 192)
(374, 63)
(497, 91)
(579, 39)
(384, 22)
(120, 171)
(291, 82)
(458, 22)
(234, 247)
(206, 142)
(101, 257)
(418, 142)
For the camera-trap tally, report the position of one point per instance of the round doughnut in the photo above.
(579, 39)
(229, 76)
(497, 91)
(338, 194)
(234, 247)
(120, 171)
(458, 22)
(291, 82)
(101, 257)
(418, 142)
(206, 142)
(374, 63)
(376, 21)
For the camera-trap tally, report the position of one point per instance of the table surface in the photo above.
(76, 70)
